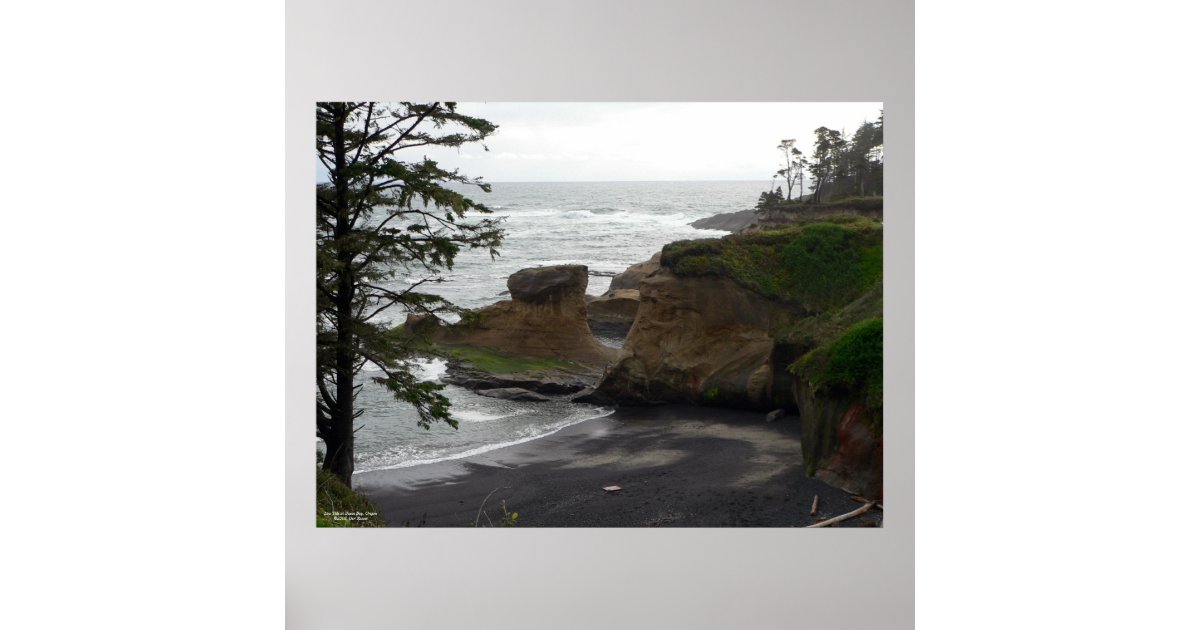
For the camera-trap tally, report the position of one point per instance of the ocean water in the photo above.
(604, 225)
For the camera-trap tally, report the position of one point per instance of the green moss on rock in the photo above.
(818, 266)
(694, 258)
(851, 367)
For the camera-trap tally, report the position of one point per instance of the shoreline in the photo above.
(678, 466)
(478, 453)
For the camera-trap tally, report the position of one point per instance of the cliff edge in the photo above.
(787, 318)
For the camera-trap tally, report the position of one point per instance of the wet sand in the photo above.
(678, 466)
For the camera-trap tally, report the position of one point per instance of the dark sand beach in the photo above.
(678, 466)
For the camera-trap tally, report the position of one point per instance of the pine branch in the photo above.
(400, 138)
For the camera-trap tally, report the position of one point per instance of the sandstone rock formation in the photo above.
(612, 313)
(546, 317)
(842, 441)
(697, 340)
(743, 322)
(633, 276)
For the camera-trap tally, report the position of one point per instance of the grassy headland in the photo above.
(816, 266)
(829, 275)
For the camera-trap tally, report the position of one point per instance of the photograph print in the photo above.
(599, 314)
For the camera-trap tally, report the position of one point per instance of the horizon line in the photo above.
(613, 181)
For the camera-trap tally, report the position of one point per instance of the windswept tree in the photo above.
(769, 198)
(826, 160)
(382, 220)
(793, 166)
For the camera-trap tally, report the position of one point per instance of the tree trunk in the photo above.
(339, 457)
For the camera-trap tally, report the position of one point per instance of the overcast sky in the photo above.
(643, 141)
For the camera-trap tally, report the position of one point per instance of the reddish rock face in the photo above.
(842, 441)
(858, 460)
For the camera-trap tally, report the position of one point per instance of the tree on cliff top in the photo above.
(769, 198)
(860, 171)
(377, 217)
(793, 166)
(826, 160)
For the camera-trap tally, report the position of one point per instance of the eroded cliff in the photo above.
(760, 321)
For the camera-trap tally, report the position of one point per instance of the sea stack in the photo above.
(546, 317)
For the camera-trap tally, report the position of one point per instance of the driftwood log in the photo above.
(848, 515)
(816, 498)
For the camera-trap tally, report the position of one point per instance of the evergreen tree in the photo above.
(379, 218)
(825, 162)
(769, 198)
(861, 172)
(793, 166)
